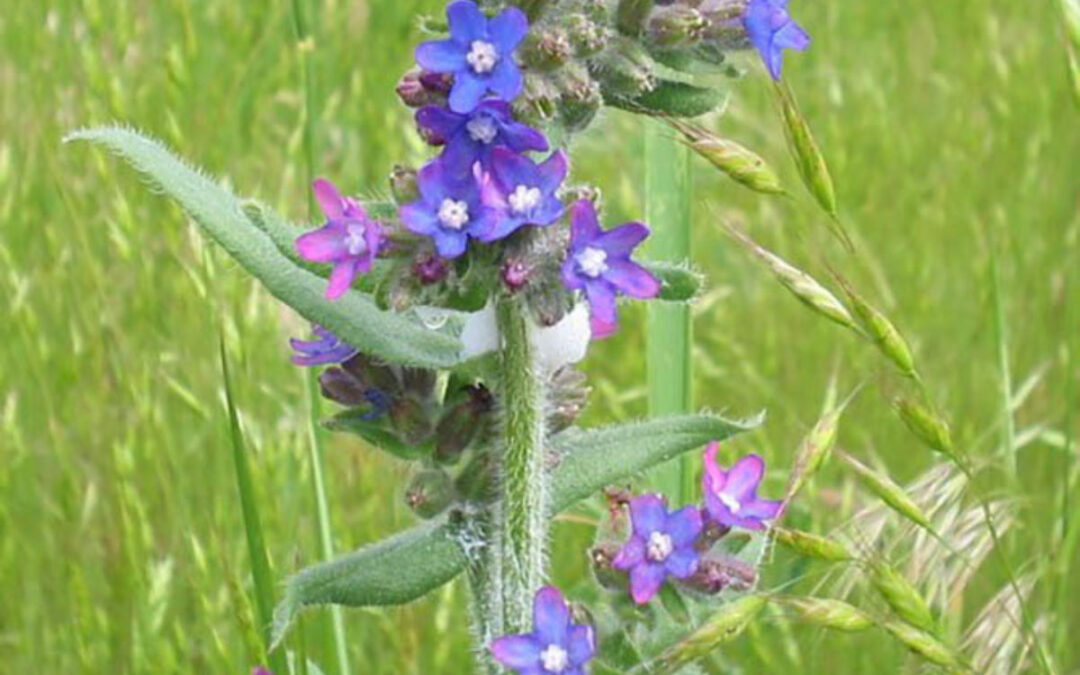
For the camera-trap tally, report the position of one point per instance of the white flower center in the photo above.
(659, 547)
(554, 659)
(482, 57)
(354, 240)
(592, 261)
(482, 129)
(733, 504)
(453, 214)
(524, 199)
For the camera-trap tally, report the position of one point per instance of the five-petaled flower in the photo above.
(325, 349)
(517, 191)
(449, 209)
(598, 262)
(470, 137)
(349, 240)
(731, 496)
(662, 544)
(556, 646)
(479, 53)
(771, 30)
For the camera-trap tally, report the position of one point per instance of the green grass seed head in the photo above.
(826, 613)
(889, 492)
(811, 545)
(901, 596)
(926, 424)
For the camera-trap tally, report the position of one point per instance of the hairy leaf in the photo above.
(678, 283)
(354, 317)
(669, 97)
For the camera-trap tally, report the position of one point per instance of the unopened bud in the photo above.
(476, 482)
(515, 273)
(410, 90)
(410, 419)
(429, 269)
(462, 424)
(675, 26)
(581, 98)
(606, 575)
(538, 101)
(342, 387)
(419, 382)
(568, 396)
(403, 185)
(624, 71)
(429, 493)
(436, 83)
(546, 49)
(715, 574)
(372, 374)
(586, 36)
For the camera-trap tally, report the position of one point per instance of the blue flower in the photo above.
(479, 53)
(598, 263)
(731, 497)
(449, 209)
(470, 137)
(771, 30)
(554, 647)
(517, 191)
(662, 545)
(328, 348)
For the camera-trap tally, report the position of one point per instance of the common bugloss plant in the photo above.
(448, 324)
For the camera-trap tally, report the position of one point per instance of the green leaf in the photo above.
(391, 572)
(668, 97)
(678, 283)
(594, 458)
(354, 317)
(414, 562)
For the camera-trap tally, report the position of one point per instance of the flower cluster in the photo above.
(670, 544)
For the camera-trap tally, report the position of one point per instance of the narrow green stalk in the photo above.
(668, 336)
(304, 48)
(1001, 338)
(520, 519)
(260, 562)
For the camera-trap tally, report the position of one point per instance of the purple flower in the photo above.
(449, 209)
(349, 240)
(479, 53)
(470, 137)
(328, 348)
(662, 544)
(731, 496)
(555, 646)
(599, 263)
(771, 30)
(518, 191)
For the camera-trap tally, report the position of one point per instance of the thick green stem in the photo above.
(520, 519)
(667, 210)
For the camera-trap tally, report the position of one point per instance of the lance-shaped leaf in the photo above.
(410, 564)
(678, 283)
(670, 98)
(354, 317)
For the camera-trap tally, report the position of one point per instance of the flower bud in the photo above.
(538, 101)
(436, 83)
(429, 269)
(581, 98)
(410, 90)
(625, 70)
(419, 382)
(342, 387)
(568, 396)
(410, 419)
(372, 374)
(675, 26)
(476, 482)
(515, 273)
(462, 423)
(403, 184)
(715, 574)
(429, 493)
(546, 49)
(601, 557)
(586, 36)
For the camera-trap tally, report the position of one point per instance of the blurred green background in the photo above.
(951, 135)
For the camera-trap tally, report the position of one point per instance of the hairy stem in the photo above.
(520, 518)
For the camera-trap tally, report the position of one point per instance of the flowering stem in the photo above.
(667, 208)
(520, 518)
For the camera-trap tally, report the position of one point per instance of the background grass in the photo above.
(951, 135)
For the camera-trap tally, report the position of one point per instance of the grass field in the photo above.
(955, 145)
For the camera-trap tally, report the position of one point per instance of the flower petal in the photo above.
(323, 245)
(552, 171)
(506, 80)
(584, 227)
(601, 298)
(682, 562)
(467, 22)
(448, 243)
(645, 581)
(570, 278)
(516, 651)
(329, 198)
(619, 241)
(581, 644)
(521, 137)
(418, 218)
(632, 279)
(713, 477)
(440, 56)
(684, 525)
(551, 616)
(792, 36)
(648, 514)
(467, 92)
(631, 554)
(744, 477)
(439, 121)
(508, 29)
(341, 278)
(761, 509)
